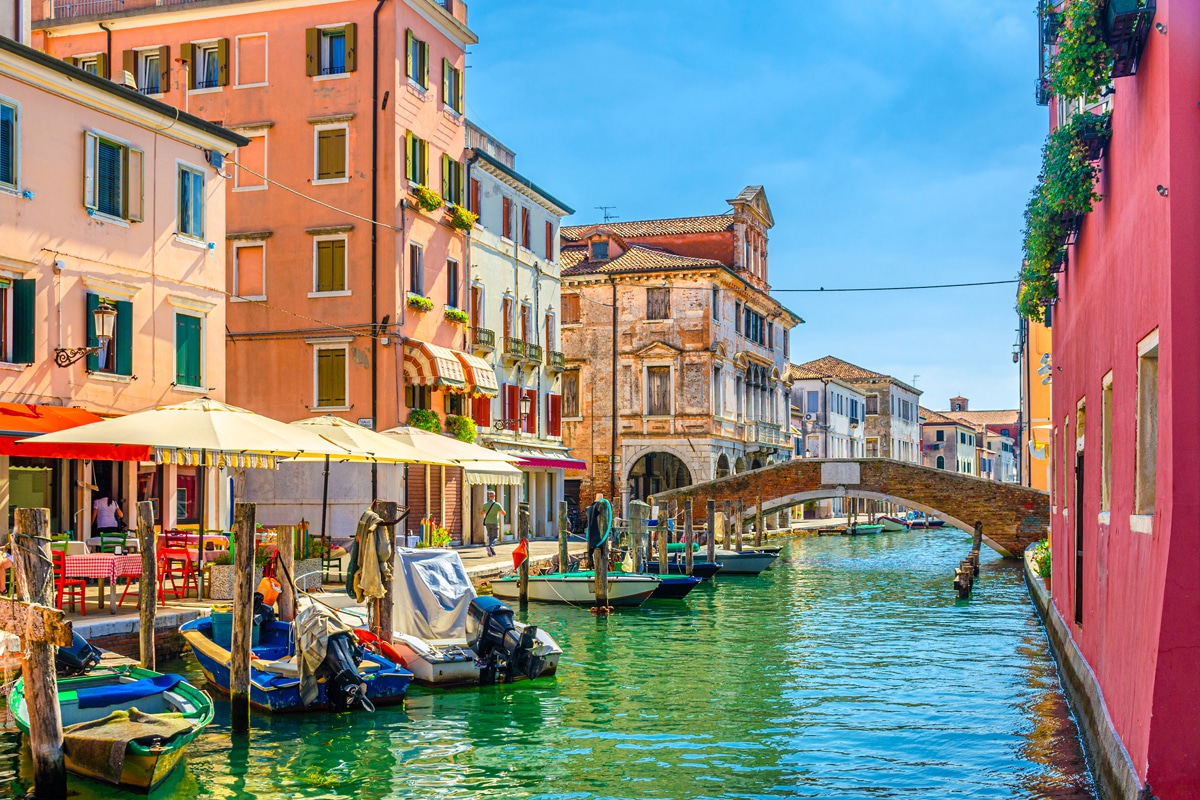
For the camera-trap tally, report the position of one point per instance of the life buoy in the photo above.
(377, 645)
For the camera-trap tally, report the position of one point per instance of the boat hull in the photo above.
(675, 587)
(277, 693)
(747, 562)
(577, 589)
(455, 666)
(892, 524)
(863, 530)
(700, 569)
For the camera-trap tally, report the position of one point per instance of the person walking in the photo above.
(491, 513)
(106, 515)
(599, 526)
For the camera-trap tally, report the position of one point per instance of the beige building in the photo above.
(671, 324)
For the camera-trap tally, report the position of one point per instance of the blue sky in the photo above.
(897, 141)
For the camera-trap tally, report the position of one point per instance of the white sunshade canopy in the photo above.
(446, 446)
(366, 444)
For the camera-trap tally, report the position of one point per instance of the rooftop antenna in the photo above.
(914, 383)
(607, 216)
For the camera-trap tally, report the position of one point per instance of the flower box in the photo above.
(427, 199)
(1127, 23)
(1094, 132)
(456, 315)
(419, 303)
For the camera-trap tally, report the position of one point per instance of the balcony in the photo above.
(514, 349)
(533, 353)
(69, 9)
(765, 433)
(555, 361)
(483, 340)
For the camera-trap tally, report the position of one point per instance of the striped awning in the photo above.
(485, 473)
(428, 364)
(480, 375)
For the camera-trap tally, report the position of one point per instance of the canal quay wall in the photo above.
(1112, 768)
(121, 634)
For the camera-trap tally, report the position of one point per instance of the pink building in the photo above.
(110, 202)
(1126, 483)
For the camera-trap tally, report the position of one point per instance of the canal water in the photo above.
(846, 671)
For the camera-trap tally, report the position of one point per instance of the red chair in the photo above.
(72, 587)
(176, 562)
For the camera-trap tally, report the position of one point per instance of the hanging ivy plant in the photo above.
(425, 419)
(1082, 65)
(427, 198)
(460, 218)
(456, 315)
(1070, 174)
(461, 428)
(419, 303)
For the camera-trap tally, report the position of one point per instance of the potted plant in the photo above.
(427, 199)
(1041, 561)
(425, 419)
(461, 428)
(460, 218)
(221, 572)
(307, 564)
(1081, 67)
(456, 315)
(1094, 132)
(419, 303)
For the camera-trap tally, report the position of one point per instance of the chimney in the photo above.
(958, 404)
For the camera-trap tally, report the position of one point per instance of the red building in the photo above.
(1126, 483)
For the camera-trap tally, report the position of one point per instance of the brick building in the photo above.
(948, 443)
(670, 322)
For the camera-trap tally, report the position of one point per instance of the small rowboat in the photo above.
(747, 562)
(156, 715)
(674, 587)
(861, 529)
(893, 524)
(578, 588)
(928, 522)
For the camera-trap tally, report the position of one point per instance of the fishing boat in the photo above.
(348, 676)
(578, 588)
(700, 569)
(155, 715)
(893, 524)
(863, 529)
(746, 562)
(928, 522)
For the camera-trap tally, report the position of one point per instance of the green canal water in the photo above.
(847, 671)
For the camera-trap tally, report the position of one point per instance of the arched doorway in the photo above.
(657, 472)
(723, 466)
(739, 466)
(756, 464)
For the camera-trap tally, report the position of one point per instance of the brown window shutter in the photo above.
(72, 60)
(187, 52)
(351, 47)
(549, 240)
(312, 47)
(102, 65)
(164, 68)
(475, 195)
(222, 62)
(129, 64)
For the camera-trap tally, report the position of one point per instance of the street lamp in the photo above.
(104, 316)
(516, 424)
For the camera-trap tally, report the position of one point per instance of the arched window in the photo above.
(941, 462)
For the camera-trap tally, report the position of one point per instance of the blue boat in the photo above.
(674, 587)
(274, 671)
(700, 569)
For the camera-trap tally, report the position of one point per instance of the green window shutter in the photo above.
(74, 62)
(462, 77)
(123, 333)
(410, 167)
(446, 193)
(222, 62)
(408, 53)
(187, 52)
(423, 175)
(129, 65)
(93, 359)
(187, 350)
(423, 47)
(446, 87)
(331, 377)
(102, 65)
(351, 47)
(24, 322)
(312, 52)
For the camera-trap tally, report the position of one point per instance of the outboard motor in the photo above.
(501, 650)
(77, 659)
(343, 689)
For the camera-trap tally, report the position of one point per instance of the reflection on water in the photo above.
(849, 671)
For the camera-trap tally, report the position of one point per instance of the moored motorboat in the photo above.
(928, 522)
(674, 587)
(893, 524)
(154, 715)
(700, 569)
(746, 562)
(863, 529)
(578, 588)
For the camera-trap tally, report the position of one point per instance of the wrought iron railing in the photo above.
(513, 348)
(556, 360)
(483, 338)
(533, 352)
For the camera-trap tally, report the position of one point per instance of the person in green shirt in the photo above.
(491, 513)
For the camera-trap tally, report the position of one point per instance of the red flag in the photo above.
(521, 553)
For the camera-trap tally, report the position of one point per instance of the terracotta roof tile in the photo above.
(637, 259)
(1004, 417)
(654, 227)
(832, 367)
(935, 418)
(570, 256)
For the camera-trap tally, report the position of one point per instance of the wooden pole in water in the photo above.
(35, 581)
(739, 525)
(523, 583)
(601, 587)
(636, 526)
(285, 547)
(148, 591)
(758, 522)
(564, 556)
(383, 615)
(243, 617)
(661, 535)
(727, 526)
(711, 539)
(689, 535)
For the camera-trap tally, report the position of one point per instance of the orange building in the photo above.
(353, 109)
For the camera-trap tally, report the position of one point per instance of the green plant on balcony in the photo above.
(1041, 558)
(1082, 65)
(427, 199)
(460, 218)
(416, 301)
(461, 428)
(456, 315)
(425, 420)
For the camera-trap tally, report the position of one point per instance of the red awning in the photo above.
(21, 421)
(552, 463)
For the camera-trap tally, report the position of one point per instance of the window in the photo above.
(18, 321)
(418, 396)
(451, 283)
(452, 180)
(506, 316)
(452, 404)
(571, 312)
(872, 448)
(813, 400)
(570, 393)
(941, 462)
(330, 272)
(452, 87)
(549, 240)
(939, 435)
(598, 250)
(331, 51)
(1106, 437)
(416, 269)
(753, 326)
(208, 64)
(718, 392)
(112, 178)
(250, 271)
(854, 415)
(416, 160)
(506, 210)
(417, 61)
(872, 405)
(189, 348)
(116, 357)
(658, 391)
(526, 322)
(737, 317)
(553, 414)
(474, 202)
(1146, 471)
(331, 377)
(96, 64)
(548, 331)
(526, 229)
(149, 69)
(716, 303)
(332, 153)
(8, 145)
(658, 303)
(251, 169)
(190, 220)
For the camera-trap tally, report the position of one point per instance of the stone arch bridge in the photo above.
(1013, 516)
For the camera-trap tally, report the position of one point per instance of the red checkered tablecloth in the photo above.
(103, 565)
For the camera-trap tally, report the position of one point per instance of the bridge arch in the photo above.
(1013, 516)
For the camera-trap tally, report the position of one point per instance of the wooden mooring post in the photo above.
(148, 588)
(689, 536)
(564, 530)
(285, 550)
(758, 522)
(968, 568)
(739, 525)
(710, 541)
(243, 617)
(383, 627)
(661, 536)
(728, 524)
(41, 627)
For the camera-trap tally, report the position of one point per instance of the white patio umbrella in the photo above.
(445, 446)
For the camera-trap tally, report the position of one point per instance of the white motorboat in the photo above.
(747, 562)
(578, 588)
(892, 524)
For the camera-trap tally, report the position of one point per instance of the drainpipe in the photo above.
(108, 49)
(467, 346)
(612, 462)
(375, 111)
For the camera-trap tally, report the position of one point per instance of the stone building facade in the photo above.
(671, 324)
